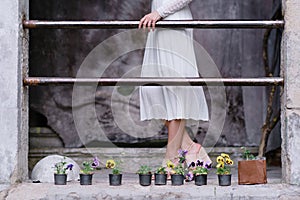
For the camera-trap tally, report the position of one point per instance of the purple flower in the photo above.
(182, 153)
(96, 162)
(190, 176)
(70, 167)
(208, 165)
(193, 164)
(199, 163)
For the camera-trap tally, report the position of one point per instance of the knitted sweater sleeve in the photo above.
(171, 7)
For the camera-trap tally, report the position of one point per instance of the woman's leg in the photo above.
(188, 143)
(175, 133)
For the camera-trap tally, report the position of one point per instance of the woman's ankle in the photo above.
(192, 148)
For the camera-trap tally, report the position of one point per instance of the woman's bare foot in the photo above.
(197, 152)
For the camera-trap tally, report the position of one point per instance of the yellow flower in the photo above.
(170, 164)
(220, 165)
(224, 155)
(229, 162)
(220, 159)
(110, 164)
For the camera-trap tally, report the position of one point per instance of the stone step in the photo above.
(130, 189)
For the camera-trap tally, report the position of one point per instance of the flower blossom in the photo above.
(110, 164)
(96, 162)
(70, 167)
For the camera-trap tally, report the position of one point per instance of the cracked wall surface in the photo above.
(13, 117)
(291, 97)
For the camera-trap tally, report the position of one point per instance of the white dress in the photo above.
(170, 53)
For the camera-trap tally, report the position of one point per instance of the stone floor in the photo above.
(131, 189)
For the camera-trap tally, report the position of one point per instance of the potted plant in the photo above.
(177, 175)
(60, 174)
(199, 171)
(223, 169)
(160, 176)
(86, 173)
(178, 171)
(251, 170)
(115, 178)
(145, 175)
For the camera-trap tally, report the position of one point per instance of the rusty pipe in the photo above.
(204, 24)
(42, 81)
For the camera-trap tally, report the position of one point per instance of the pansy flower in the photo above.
(110, 164)
(170, 164)
(190, 176)
(224, 155)
(192, 165)
(182, 153)
(70, 167)
(220, 159)
(208, 165)
(220, 165)
(96, 162)
(229, 161)
(199, 163)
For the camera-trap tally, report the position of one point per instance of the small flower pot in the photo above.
(160, 179)
(252, 172)
(201, 179)
(224, 180)
(86, 179)
(115, 179)
(145, 179)
(177, 179)
(60, 179)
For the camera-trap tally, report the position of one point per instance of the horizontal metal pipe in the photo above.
(34, 81)
(204, 24)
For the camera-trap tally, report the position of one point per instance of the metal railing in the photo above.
(155, 81)
(204, 24)
(199, 24)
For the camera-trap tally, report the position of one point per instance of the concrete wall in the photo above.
(291, 97)
(13, 120)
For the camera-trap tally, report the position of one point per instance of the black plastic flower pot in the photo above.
(60, 179)
(115, 179)
(145, 179)
(224, 180)
(177, 179)
(160, 179)
(201, 179)
(86, 179)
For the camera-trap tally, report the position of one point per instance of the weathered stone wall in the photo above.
(13, 119)
(291, 97)
(237, 53)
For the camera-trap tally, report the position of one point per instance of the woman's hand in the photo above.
(149, 20)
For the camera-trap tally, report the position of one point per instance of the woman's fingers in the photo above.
(146, 23)
(153, 25)
(149, 25)
(149, 21)
(141, 22)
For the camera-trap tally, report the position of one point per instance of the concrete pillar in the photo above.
(291, 96)
(13, 97)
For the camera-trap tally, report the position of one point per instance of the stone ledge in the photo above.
(131, 189)
(134, 191)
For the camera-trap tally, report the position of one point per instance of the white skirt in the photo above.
(170, 53)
